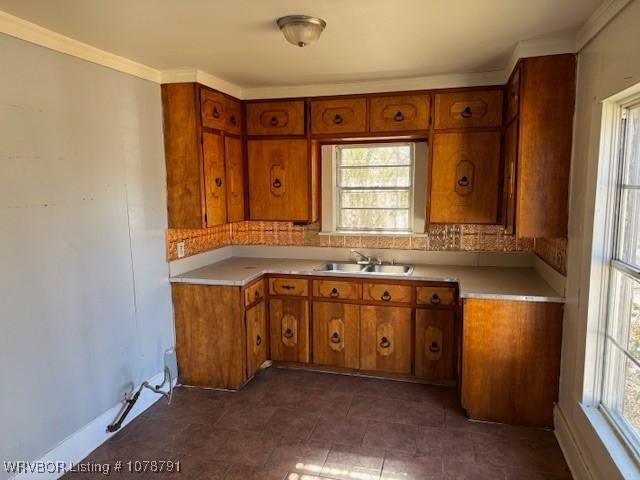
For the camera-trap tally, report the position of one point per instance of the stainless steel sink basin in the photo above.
(390, 269)
(340, 267)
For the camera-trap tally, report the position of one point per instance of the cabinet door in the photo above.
(385, 339)
(347, 115)
(513, 95)
(289, 321)
(468, 109)
(233, 116)
(278, 180)
(214, 178)
(399, 112)
(510, 165)
(336, 330)
(256, 338)
(235, 179)
(435, 344)
(275, 118)
(511, 361)
(465, 179)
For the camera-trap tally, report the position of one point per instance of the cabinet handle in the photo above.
(384, 342)
(334, 293)
(289, 287)
(386, 296)
(232, 119)
(257, 295)
(277, 183)
(335, 338)
(218, 182)
(215, 113)
(288, 333)
(434, 347)
(258, 340)
(435, 299)
(274, 122)
(337, 119)
(463, 182)
(398, 117)
(466, 113)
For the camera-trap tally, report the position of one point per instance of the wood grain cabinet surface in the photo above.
(468, 109)
(336, 334)
(214, 178)
(337, 289)
(233, 116)
(212, 109)
(386, 292)
(234, 168)
(276, 118)
(465, 177)
(396, 113)
(289, 320)
(254, 292)
(436, 296)
(348, 115)
(385, 339)
(510, 154)
(435, 344)
(513, 95)
(278, 180)
(289, 286)
(511, 361)
(257, 338)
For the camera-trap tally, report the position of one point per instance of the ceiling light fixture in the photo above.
(301, 30)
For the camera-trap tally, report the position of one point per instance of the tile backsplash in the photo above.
(478, 238)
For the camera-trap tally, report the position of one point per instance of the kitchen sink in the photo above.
(340, 267)
(372, 269)
(389, 269)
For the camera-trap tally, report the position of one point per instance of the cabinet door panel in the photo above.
(214, 178)
(278, 180)
(289, 320)
(435, 346)
(275, 118)
(233, 116)
(385, 339)
(212, 109)
(465, 177)
(336, 330)
(399, 112)
(513, 96)
(339, 116)
(256, 338)
(510, 174)
(235, 179)
(468, 109)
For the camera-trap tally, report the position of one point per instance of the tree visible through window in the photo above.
(374, 187)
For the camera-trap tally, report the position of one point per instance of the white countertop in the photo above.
(504, 283)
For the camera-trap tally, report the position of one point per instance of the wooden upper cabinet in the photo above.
(435, 344)
(347, 115)
(278, 180)
(510, 152)
(468, 109)
(235, 178)
(465, 177)
(214, 178)
(398, 113)
(212, 109)
(513, 95)
(385, 339)
(233, 116)
(276, 118)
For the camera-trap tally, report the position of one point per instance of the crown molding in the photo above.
(598, 20)
(194, 75)
(30, 32)
(540, 47)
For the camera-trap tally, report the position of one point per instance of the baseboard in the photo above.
(569, 447)
(77, 446)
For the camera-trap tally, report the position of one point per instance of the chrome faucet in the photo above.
(361, 259)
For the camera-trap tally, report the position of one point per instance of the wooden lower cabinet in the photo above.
(435, 344)
(336, 330)
(289, 325)
(209, 335)
(385, 339)
(257, 338)
(511, 361)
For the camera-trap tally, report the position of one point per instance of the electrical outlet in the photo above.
(180, 248)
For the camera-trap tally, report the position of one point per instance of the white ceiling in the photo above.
(365, 40)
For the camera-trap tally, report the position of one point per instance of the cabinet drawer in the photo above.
(275, 118)
(254, 292)
(435, 296)
(233, 116)
(337, 289)
(468, 109)
(339, 116)
(435, 345)
(513, 96)
(385, 339)
(399, 112)
(288, 286)
(212, 109)
(382, 292)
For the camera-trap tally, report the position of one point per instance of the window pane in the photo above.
(374, 199)
(373, 219)
(629, 227)
(375, 177)
(632, 148)
(624, 317)
(379, 155)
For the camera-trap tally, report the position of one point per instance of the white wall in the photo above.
(607, 65)
(85, 307)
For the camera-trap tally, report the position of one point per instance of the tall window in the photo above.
(373, 189)
(621, 388)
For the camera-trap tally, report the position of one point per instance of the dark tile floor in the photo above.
(298, 425)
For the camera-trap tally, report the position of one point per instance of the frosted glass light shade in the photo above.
(301, 30)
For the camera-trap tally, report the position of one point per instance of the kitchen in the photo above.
(315, 273)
